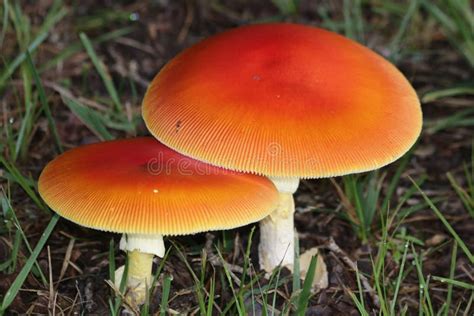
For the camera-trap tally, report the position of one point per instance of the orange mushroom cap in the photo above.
(141, 186)
(284, 100)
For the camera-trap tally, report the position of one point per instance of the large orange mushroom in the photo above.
(143, 189)
(287, 101)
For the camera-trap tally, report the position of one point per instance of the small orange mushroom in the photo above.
(143, 189)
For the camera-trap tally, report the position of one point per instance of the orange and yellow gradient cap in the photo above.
(141, 186)
(284, 100)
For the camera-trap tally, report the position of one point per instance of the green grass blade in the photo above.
(109, 85)
(425, 300)
(296, 266)
(452, 270)
(239, 307)
(8, 209)
(89, 117)
(286, 7)
(371, 197)
(166, 293)
(15, 250)
(399, 280)
(361, 290)
(210, 300)
(25, 183)
(448, 226)
(449, 92)
(20, 279)
(467, 286)
(395, 181)
(77, 47)
(360, 306)
(11, 67)
(462, 194)
(353, 190)
(5, 22)
(456, 18)
(44, 102)
(306, 292)
(395, 44)
(353, 20)
(198, 286)
(55, 14)
(112, 261)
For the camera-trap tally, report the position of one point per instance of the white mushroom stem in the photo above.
(140, 252)
(277, 231)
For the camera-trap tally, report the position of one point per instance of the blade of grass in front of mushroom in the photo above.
(155, 278)
(275, 289)
(307, 285)
(166, 293)
(118, 296)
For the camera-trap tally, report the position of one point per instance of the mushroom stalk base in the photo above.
(140, 252)
(138, 277)
(277, 236)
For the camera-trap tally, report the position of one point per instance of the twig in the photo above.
(51, 305)
(67, 257)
